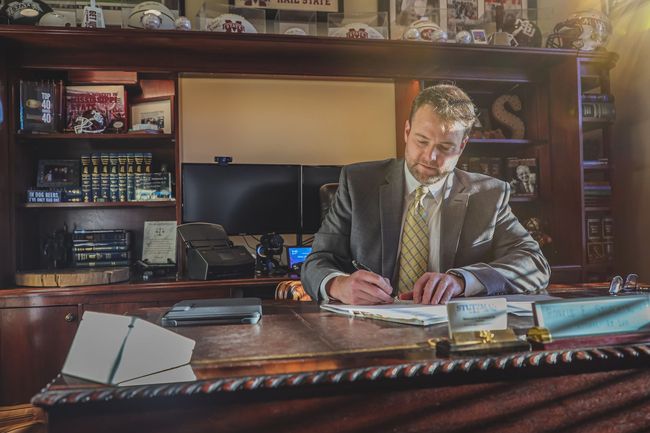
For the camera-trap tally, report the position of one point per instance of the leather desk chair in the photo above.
(292, 289)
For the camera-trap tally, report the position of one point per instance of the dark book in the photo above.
(598, 111)
(594, 229)
(41, 106)
(608, 228)
(522, 176)
(596, 252)
(101, 236)
(99, 248)
(102, 264)
(100, 257)
(597, 97)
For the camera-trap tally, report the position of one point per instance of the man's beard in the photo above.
(427, 180)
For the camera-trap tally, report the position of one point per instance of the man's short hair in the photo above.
(449, 102)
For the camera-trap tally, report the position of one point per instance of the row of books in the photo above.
(521, 173)
(600, 238)
(598, 107)
(597, 193)
(101, 248)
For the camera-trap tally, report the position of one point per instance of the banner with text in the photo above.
(299, 5)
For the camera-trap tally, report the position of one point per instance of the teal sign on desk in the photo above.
(594, 316)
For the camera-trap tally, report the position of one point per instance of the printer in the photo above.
(210, 255)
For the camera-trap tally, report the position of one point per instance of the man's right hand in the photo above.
(360, 288)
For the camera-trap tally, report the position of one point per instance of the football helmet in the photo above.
(586, 31)
(23, 12)
(90, 122)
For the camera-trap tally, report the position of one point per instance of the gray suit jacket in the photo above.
(478, 231)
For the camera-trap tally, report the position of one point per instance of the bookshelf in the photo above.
(597, 114)
(100, 205)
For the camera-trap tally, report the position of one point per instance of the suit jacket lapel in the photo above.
(391, 196)
(452, 217)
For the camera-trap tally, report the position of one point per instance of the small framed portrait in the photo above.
(57, 173)
(157, 112)
(479, 36)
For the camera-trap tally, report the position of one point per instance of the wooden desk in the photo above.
(300, 369)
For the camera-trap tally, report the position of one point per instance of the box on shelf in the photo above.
(295, 23)
(219, 17)
(358, 25)
(41, 106)
(95, 109)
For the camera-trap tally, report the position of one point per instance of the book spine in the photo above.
(121, 177)
(130, 176)
(98, 248)
(95, 177)
(100, 257)
(120, 238)
(105, 179)
(103, 263)
(113, 187)
(86, 178)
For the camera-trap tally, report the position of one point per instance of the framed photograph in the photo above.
(479, 36)
(57, 173)
(404, 12)
(157, 111)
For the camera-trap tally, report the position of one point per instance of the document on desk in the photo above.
(425, 315)
(406, 313)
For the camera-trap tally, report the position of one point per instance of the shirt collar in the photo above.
(435, 189)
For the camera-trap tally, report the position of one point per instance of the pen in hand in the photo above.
(361, 267)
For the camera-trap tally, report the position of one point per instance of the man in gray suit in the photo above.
(418, 227)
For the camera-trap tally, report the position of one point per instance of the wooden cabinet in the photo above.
(34, 342)
(37, 325)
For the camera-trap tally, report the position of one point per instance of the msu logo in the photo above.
(357, 34)
(233, 27)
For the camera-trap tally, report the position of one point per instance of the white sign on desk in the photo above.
(159, 245)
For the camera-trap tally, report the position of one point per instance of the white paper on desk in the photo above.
(109, 348)
(409, 314)
(184, 373)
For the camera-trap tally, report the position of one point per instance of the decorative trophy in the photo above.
(93, 16)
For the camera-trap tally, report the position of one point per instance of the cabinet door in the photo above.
(33, 345)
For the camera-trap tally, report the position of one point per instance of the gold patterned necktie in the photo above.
(414, 251)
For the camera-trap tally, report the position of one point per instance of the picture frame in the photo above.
(479, 36)
(58, 173)
(156, 111)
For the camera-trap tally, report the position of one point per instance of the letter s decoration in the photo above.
(506, 118)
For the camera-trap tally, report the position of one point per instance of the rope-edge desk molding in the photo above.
(599, 356)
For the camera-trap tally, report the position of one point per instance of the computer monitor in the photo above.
(313, 177)
(243, 198)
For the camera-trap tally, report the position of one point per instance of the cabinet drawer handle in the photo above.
(70, 317)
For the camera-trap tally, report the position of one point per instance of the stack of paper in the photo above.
(424, 315)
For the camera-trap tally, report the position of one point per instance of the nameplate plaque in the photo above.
(593, 316)
(477, 315)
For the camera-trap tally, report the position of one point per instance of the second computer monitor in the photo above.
(243, 198)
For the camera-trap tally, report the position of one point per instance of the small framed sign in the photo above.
(479, 36)
(58, 173)
(157, 112)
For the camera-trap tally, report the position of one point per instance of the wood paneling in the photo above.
(405, 93)
(6, 257)
(33, 346)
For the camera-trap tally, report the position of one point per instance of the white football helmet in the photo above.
(587, 31)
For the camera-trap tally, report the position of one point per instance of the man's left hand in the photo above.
(435, 288)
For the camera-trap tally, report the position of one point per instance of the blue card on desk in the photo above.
(214, 311)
